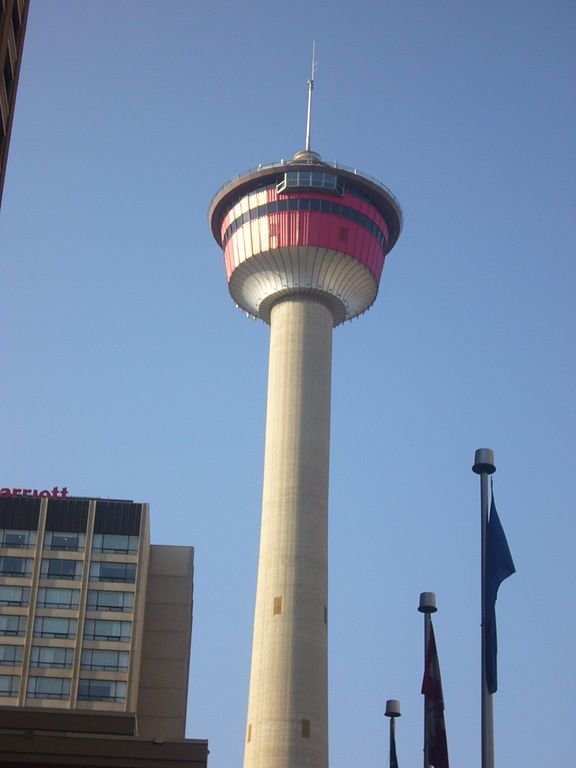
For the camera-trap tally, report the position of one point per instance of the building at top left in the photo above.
(13, 16)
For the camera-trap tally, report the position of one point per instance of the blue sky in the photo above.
(127, 372)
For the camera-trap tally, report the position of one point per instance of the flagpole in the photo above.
(484, 466)
(393, 711)
(427, 606)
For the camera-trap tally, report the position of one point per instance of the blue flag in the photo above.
(499, 566)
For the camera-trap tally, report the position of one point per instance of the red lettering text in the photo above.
(55, 493)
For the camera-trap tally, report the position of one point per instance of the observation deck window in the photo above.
(318, 180)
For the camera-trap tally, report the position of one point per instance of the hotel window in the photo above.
(16, 566)
(53, 597)
(102, 600)
(9, 685)
(117, 572)
(11, 655)
(48, 626)
(112, 542)
(14, 595)
(13, 626)
(16, 538)
(102, 629)
(108, 661)
(61, 569)
(53, 658)
(64, 541)
(101, 690)
(48, 687)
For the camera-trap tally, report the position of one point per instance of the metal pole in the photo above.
(427, 606)
(392, 711)
(310, 89)
(484, 466)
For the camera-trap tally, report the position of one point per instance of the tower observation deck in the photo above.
(304, 245)
(305, 227)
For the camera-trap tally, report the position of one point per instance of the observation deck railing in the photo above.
(337, 166)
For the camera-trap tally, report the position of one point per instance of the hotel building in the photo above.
(95, 625)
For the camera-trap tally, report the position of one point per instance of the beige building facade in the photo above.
(92, 617)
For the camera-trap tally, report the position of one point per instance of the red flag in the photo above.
(436, 745)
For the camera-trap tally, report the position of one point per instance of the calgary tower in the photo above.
(304, 245)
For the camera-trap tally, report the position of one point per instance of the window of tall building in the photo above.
(103, 629)
(55, 597)
(16, 566)
(103, 600)
(16, 20)
(61, 569)
(49, 626)
(13, 626)
(53, 658)
(14, 595)
(9, 685)
(64, 541)
(8, 77)
(11, 655)
(117, 572)
(48, 688)
(16, 538)
(101, 690)
(109, 661)
(112, 542)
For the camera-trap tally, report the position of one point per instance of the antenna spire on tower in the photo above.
(310, 89)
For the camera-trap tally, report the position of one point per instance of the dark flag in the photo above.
(499, 566)
(435, 728)
(393, 757)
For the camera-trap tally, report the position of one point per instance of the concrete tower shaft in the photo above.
(304, 247)
(288, 711)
